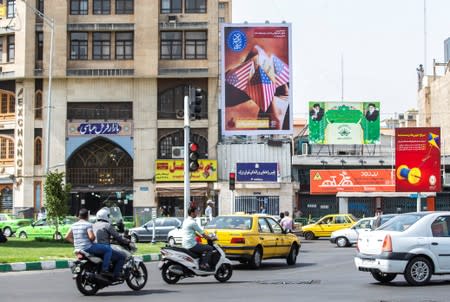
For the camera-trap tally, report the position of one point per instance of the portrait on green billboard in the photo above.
(344, 122)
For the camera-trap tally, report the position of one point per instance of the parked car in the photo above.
(327, 224)
(415, 245)
(250, 238)
(349, 236)
(10, 223)
(163, 225)
(42, 229)
(175, 236)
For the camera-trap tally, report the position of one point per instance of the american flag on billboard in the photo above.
(261, 89)
(239, 76)
(281, 72)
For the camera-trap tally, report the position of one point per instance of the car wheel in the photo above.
(7, 232)
(23, 235)
(134, 238)
(418, 271)
(57, 236)
(383, 277)
(171, 241)
(255, 261)
(342, 242)
(292, 256)
(309, 236)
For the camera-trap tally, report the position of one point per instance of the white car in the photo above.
(348, 237)
(175, 236)
(416, 245)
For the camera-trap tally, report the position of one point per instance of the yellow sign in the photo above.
(2, 10)
(168, 170)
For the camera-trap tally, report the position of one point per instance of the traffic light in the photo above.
(232, 180)
(193, 157)
(196, 104)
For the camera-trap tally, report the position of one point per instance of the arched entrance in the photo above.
(101, 173)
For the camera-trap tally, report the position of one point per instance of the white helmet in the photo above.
(103, 214)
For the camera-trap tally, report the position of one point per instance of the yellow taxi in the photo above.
(250, 238)
(327, 225)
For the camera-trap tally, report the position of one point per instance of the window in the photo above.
(102, 7)
(6, 149)
(8, 104)
(78, 7)
(276, 227)
(38, 105)
(170, 6)
(124, 7)
(195, 45)
(39, 45)
(78, 46)
(40, 5)
(124, 46)
(38, 151)
(11, 48)
(1, 50)
(263, 226)
(440, 227)
(11, 8)
(221, 19)
(171, 42)
(195, 6)
(101, 46)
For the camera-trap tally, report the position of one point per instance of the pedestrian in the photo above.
(287, 222)
(281, 216)
(262, 209)
(209, 210)
(42, 214)
(82, 236)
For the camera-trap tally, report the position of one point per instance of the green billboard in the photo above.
(344, 123)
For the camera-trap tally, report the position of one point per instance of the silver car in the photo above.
(349, 236)
(162, 226)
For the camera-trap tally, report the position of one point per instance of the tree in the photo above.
(56, 197)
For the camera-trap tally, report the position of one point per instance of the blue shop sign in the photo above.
(257, 172)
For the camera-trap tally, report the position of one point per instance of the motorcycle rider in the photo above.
(190, 229)
(104, 230)
(82, 237)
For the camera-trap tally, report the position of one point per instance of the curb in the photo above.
(55, 264)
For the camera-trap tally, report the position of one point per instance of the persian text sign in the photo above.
(418, 159)
(173, 170)
(260, 172)
(99, 128)
(333, 181)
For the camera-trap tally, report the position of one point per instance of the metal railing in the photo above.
(100, 176)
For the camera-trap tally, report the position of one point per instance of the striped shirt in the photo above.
(80, 229)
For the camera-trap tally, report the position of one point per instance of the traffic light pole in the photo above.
(187, 181)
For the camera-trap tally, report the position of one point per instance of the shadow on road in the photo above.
(405, 284)
(130, 293)
(271, 266)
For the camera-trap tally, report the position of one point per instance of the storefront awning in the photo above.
(168, 189)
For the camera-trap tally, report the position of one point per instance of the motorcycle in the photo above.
(177, 263)
(86, 271)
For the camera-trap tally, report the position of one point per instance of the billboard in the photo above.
(344, 123)
(418, 159)
(172, 170)
(367, 180)
(257, 172)
(256, 79)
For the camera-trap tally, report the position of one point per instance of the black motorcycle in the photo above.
(86, 271)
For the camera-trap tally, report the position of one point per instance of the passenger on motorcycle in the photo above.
(82, 236)
(190, 229)
(104, 230)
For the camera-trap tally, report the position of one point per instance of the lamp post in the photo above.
(51, 23)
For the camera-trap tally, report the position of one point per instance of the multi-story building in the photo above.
(119, 73)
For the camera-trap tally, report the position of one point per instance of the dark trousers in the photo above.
(204, 250)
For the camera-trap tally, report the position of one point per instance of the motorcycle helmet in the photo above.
(103, 214)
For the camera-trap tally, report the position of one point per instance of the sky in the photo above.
(373, 47)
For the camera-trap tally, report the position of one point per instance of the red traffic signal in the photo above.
(232, 180)
(193, 157)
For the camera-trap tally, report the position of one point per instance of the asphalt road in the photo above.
(322, 273)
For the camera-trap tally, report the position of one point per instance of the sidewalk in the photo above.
(55, 264)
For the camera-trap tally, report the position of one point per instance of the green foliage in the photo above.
(56, 197)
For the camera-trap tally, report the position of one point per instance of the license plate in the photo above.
(367, 262)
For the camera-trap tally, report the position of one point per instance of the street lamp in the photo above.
(51, 23)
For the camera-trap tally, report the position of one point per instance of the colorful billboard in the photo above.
(418, 159)
(256, 79)
(344, 123)
(257, 172)
(168, 170)
(367, 180)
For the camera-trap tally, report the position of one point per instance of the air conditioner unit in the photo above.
(305, 148)
(178, 152)
(172, 19)
(180, 114)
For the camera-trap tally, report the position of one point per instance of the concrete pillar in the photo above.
(343, 205)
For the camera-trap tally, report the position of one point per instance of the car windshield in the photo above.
(230, 222)
(401, 223)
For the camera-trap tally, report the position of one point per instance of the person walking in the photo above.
(287, 222)
(209, 210)
(82, 236)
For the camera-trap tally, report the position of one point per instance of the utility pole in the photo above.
(187, 180)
